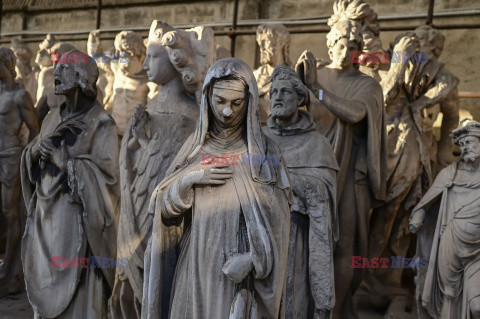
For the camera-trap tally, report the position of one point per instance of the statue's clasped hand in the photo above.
(57, 156)
(238, 267)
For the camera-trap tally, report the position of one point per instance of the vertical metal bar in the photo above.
(99, 13)
(430, 12)
(233, 36)
(1, 13)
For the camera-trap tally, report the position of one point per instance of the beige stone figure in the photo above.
(103, 57)
(348, 109)
(408, 172)
(44, 60)
(153, 137)
(47, 99)
(16, 108)
(70, 184)
(313, 170)
(221, 216)
(26, 75)
(130, 85)
(447, 222)
(274, 42)
(442, 96)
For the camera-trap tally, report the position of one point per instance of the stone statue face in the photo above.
(270, 50)
(158, 66)
(284, 99)
(65, 78)
(43, 58)
(228, 106)
(130, 64)
(469, 148)
(341, 53)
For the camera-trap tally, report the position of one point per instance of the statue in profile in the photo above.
(130, 79)
(221, 224)
(177, 62)
(70, 184)
(348, 109)
(48, 100)
(447, 223)
(313, 170)
(274, 42)
(16, 109)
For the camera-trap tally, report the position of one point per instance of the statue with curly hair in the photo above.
(176, 61)
(129, 78)
(274, 42)
(16, 108)
(70, 184)
(347, 107)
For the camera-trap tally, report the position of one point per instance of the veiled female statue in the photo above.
(221, 216)
(177, 62)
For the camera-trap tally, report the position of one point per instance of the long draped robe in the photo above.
(450, 240)
(140, 172)
(71, 214)
(190, 245)
(313, 227)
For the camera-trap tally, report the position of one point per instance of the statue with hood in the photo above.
(221, 224)
(313, 171)
(447, 223)
(70, 185)
(153, 136)
(348, 109)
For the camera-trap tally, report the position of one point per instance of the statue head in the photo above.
(7, 65)
(287, 93)
(228, 101)
(58, 49)
(431, 41)
(274, 42)
(174, 52)
(344, 38)
(22, 53)
(129, 46)
(76, 70)
(43, 57)
(363, 13)
(467, 137)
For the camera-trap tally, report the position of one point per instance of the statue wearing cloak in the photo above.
(153, 137)
(248, 215)
(72, 212)
(313, 170)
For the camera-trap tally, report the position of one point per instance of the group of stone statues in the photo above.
(233, 193)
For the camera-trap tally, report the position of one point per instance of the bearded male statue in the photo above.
(447, 222)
